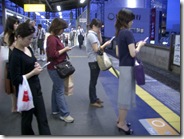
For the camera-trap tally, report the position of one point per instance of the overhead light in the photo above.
(42, 16)
(19, 17)
(9, 14)
(58, 8)
(37, 13)
(82, 1)
(60, 13)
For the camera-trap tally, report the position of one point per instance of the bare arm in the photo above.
(134, 50)
(95, 46)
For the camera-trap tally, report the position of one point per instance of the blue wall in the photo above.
(142, 22)
(173, 15)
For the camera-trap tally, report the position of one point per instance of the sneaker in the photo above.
(96, 104)
(99, 101)
(67, 119)
(54, 113)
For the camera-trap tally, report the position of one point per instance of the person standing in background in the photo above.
(93, 45)
(126, 51)
(34, 40)
(23, 62)
(80, 36)
(56, 53)
(11, 25)
(66, 40)
(40, 42)
(72, 35)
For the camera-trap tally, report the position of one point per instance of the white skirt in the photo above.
(126, 89)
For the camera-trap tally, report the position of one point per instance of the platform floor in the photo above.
(157, 113)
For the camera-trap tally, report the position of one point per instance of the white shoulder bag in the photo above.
(104, 61)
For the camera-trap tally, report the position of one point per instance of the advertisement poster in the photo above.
(176, 59)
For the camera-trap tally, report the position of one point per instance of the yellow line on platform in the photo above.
(172, 118)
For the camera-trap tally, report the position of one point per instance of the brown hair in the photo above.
(123, 17)
(56, 25)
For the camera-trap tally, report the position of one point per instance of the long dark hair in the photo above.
(123, 17)
(9, 29)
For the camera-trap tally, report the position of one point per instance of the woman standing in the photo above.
(93, 45)
(23, 62)
(56, 53)
(11, 25)
(126, 50)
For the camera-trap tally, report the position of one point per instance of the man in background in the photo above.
(72, 35)
(34, 40)
(40, 42)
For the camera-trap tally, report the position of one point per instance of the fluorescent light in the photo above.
(19, 17)
(60, 13)
(9, 14)
(82, 1)
(37, 13)
(132, 3)
(58, 8)
(42, 16)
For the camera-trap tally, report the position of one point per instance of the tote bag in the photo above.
(104, 61)
(25, 99)
(139, 72)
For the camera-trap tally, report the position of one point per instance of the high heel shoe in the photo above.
(128, 124)
(129, 132)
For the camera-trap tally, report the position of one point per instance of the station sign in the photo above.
(34, 7)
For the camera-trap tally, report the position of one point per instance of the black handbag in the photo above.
(64, 69)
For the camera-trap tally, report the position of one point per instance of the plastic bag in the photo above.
(68, 84)
(25, 99)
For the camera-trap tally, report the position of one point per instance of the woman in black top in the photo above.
(23, 62)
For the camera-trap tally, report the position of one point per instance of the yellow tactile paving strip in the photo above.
(168, 115)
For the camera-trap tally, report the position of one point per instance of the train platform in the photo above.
(158, 111)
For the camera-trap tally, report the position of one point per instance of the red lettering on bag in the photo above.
(25, 97)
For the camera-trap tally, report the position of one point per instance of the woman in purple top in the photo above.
(126, 51)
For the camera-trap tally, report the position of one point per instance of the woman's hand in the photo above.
(37, 68)
(105, 44)
(140, 43)
(67, 48)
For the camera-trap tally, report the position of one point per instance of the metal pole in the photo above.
(88, 14)
(3, 12)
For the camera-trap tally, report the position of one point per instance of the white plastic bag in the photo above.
(25, 99)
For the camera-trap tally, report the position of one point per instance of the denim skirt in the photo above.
(126, 88)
